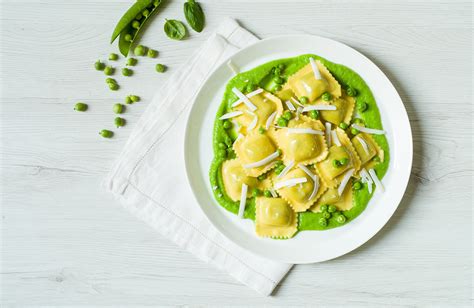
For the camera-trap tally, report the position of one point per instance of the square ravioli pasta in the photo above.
(233, 176)
(274, 218)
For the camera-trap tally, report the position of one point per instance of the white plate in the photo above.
(306, 246)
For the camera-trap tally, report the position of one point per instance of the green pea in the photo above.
(326, 96)
(128, 37)
(354, 131)
(113, 86)
(267, 193)
(278, 88)
(304, 100)
(118, 108)
(140, 50)
(262, 177)
(279, 169)
(99, 65)
(358, 121)
(279, 80)
(156, 3)
(341, 219)
(327, 215)
(228, 141)
(136, 24)
(332, 208)
(376, 159)
(119, 122)
(336, 163)
(261, 130)
(314, 114)
(110, 80)
(357, 185)
(109, 70)
(344, 161)
(282, 122)
(127, 72)
(362, 106)
(287, 115)
(139, 16)
(227, 124)
(132, 61)
(152, 53)
(222, 153)
(80, 107)
(281, 66)
(113, 57)
(351, 91)
(343, 125)
(160, 68)
(250, 87)
(146, 13)
(135, 98)
(323, 222)
(276, 71)
(128, 100)
(222, 146)
(324, 208)
(106, 133)
(279, 154)
(256, 192)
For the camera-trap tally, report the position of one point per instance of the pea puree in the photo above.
(262, 75)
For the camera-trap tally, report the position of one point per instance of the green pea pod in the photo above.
(129, 16)
(175, 29)
(194, 15)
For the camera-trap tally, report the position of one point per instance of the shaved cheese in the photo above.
(306, 86)
(297, 102)
(239, 136)
(328, 133)
(290, 182)
(298, 112)
(319, 107)
(304, 131)
(315, 179)
(307, 171)
(249, 95)
(270, 120)
(286, 169)
(232, 67)
(273, 192)
(374, 177)
(229, 115)
(245, 99)
(263, 162)
(290, 106)
(366, 179)
(316, 72)
(363, 144)
(253, 123)
(368, 130)
(243, 199)
(335, 138)
(345, 180)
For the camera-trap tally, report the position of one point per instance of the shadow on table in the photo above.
(416, 177)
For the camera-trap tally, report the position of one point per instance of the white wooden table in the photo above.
(66, 242)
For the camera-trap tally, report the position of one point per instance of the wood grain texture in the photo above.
(66, 242)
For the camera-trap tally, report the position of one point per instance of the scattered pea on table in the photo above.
(99, 65)
(132, 61)
(119, 122)
(113, 86)
(127, 72)
(140, 50)
(113, 57)
(106, 133)
(80, 107)
(152, 53)
(135, 98)
(160, 68)
(118, 108)
(109, 70)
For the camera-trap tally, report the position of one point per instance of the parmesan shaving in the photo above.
(229, 115)
(305, 131)
(286, 169)
(328, 133)
(249, 95)
(315, 179)
(298, 112)
(368, 130)
(363, 144)
(319, 107)
(307, 171)
(290, 182)
(335, 138)
(245, 99)
(345, 180)
(270, 120)
(253, 123)
(243, 199)
(374, 177)
(290, 106)
(366, 179)
(273, 192)
(232, 67)
(316, 72)
(262, 162)
(297, 102)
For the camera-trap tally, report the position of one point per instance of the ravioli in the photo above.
(274, 218)
(331, 196)
(252, 149)
(343, 113)
(367, 149)
(233, 176)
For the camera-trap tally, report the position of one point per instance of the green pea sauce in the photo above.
(259, 75)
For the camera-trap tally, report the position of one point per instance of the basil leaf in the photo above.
(175, 29)
(194, 15)
(129, 16)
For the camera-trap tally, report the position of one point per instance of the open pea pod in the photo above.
(125, 30)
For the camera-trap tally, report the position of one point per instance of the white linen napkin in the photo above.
(149, 177)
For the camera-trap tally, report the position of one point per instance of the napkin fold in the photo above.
(149, 177)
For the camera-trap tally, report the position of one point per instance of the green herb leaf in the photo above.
(175, 29)
(129, 16)
(194, 15)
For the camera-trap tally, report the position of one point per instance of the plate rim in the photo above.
(405, 182)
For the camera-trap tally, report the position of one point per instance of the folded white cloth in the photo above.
(149, 177)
